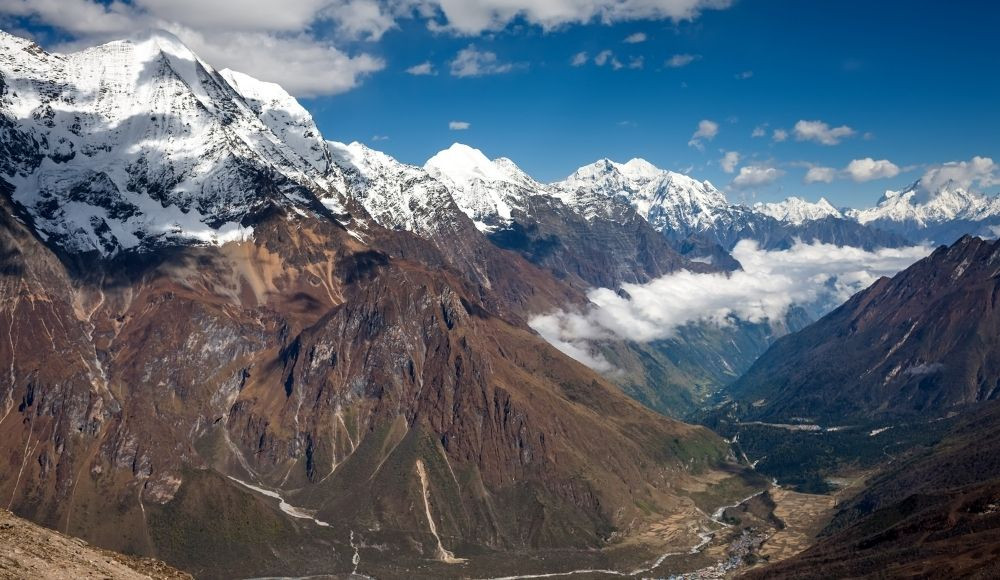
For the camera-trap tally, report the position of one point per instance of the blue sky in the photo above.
(909, 84)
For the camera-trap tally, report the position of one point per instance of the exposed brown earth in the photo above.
(31, 551)
(312, 365)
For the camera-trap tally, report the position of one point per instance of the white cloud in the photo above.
(303, 66)
(635, 38)
(981, 171)
(707, 130)
(681, 60)
(607, 57)
(289, 42)
(822, 133)
(252, 36)
(380, 137)
(779, 135)
(744, 75)
(579, 59)
(759, 131)
(636, 62)
(819, 174)
(819, 276)
(459, 125)
(471, 17)
(756, 176)
(729, 161)
(471, 62)
(424, 68)
(867, 169)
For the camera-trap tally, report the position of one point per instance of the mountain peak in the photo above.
(796, 210)
(639, 168)
(462, 165)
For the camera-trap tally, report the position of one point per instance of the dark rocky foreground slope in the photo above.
(933, 514)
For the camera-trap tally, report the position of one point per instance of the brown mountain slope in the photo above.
(31, 551)
(925, 341)
(310, 365)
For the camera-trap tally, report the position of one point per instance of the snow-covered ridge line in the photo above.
(139, 142)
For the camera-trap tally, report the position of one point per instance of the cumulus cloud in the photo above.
(422, 69)
(471, 17)
(707, 130)
(759, 131)
(819, 174)
(471, 62)
(867, 169)
(981, 171)
(250, 36)
(295, 42)
(681, 60)
(729, 161)
(636, 62)
(779, 135)
(821, 132)
(635, 38)
(459, 125)
(756, 176)
(819, 276)
(579, 59)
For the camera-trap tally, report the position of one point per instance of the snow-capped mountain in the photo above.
(397, 196)
(796, 210)
(284, 116)
(488, 191)
(139, 142)
(668, 200)
(941, 215)
(602, 241)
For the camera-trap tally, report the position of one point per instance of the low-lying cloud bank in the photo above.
(821, 276)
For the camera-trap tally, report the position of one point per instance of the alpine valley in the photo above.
(232, 345)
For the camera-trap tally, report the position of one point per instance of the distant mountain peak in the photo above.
(796, 210)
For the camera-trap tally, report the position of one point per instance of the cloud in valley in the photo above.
(818, 275)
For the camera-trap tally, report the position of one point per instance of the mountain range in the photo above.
(211, 337)
(269, 353)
